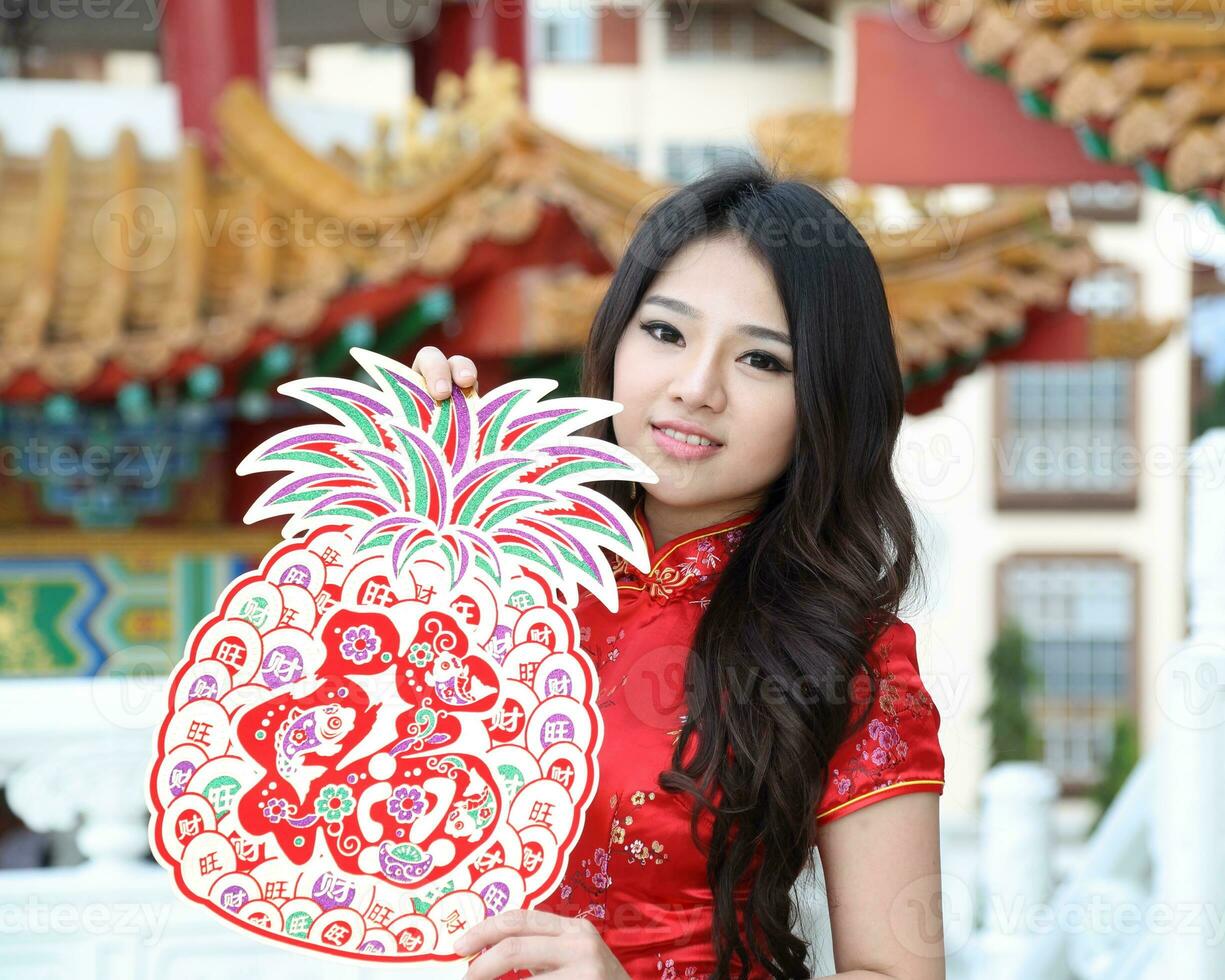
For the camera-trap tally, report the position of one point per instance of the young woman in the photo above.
(760, 696)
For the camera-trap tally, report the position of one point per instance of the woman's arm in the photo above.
(882, 879)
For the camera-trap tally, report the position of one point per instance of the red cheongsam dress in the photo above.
(634, 871)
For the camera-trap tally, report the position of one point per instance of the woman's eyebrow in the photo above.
(764, 333)
(684, 309)
(676, 305)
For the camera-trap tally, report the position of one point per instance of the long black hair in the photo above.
(817, 576)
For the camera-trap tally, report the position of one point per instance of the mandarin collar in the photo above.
(683, 563)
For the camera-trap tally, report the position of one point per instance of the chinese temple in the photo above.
(149, 307)
(1142, 89)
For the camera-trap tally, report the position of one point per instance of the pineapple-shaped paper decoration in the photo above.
(389, 731)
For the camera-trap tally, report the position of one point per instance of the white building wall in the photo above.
(662, 100)
(946, 459)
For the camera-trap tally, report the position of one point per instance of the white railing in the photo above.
(73, 758)
(1147, 897)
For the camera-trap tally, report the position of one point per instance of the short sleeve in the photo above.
(894, 749)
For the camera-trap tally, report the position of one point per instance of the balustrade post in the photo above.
(1188, 913)
(1016, 857)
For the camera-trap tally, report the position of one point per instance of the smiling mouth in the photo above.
(682, 439)
(680, 448)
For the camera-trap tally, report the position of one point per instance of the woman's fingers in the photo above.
(515, 922)
(532, 953)
(463, 370)
(433, 365)
(528, 939)
(440, 371)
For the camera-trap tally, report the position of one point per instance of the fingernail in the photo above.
(441, 387)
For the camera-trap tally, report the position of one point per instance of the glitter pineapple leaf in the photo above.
(493, 482)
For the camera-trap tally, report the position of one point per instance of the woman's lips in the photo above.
(681, 450)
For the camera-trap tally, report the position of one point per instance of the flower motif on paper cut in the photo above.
(406, 803)
(334, 803)
(359, 644)
(276, 809)
(421, 654)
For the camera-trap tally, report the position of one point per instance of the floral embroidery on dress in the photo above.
(665, 582)
(675, 573)
(668, 970)
(613, 650)
(883, 748)
(637, 848)
(606, 696)
(595, 881)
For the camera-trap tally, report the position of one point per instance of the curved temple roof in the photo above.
(123, 268)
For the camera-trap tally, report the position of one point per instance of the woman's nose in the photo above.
(697, 384)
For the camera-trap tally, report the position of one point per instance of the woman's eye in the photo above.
(772, 363)
(767, 362)
(656, 324)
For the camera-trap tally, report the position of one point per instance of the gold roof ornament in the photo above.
(142, 265)
(1143, 86)
(135, 264)
(808, 144)
(467, 113)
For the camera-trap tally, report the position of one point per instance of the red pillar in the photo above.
(463, 29)
(207, 43)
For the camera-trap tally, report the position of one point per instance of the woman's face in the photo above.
(709, 346)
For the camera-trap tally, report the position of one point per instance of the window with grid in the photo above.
(1104, 201)
(1067, 429)
(729, 31)
(686, 161)
(565, 33)
(704, 31)
(624, 152)
(1113, 290)
(1079, 616)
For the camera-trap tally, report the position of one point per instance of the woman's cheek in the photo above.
(768, 449)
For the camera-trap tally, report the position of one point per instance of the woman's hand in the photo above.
(439, 370)
(556, 946)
